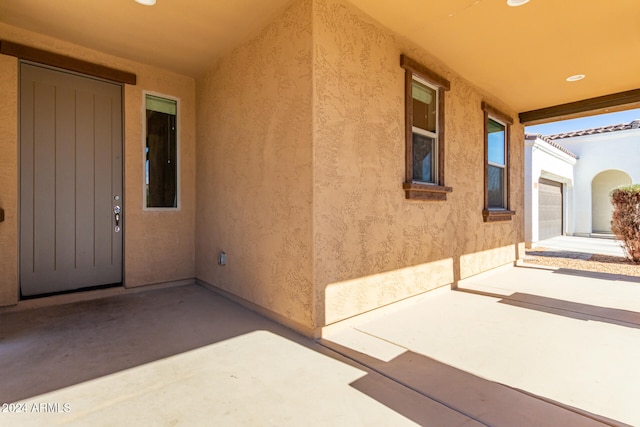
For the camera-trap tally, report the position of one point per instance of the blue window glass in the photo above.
(496, 142)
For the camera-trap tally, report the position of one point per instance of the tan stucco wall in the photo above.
(300, 164)
(8, 180)
(159, 246)
(255, 170)
(300, 171)
(371, 245)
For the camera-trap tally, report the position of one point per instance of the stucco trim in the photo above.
(66, 62)
(417, 190)
(424, 72)
(497, 114)
(490, 215)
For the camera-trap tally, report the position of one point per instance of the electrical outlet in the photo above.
(222, 258)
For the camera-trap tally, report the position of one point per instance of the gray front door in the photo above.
(549, 209)
(70, 181)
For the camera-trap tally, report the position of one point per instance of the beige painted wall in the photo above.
(300, 171)
(371, 245)
(8, 180)
(255, 170)
(159, 246)
(300, 164)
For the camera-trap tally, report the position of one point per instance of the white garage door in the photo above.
(550, 209)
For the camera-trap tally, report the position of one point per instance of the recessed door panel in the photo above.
(70, 175)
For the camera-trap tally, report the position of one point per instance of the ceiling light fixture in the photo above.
(516, 3)
(576, 78)
(146, 2)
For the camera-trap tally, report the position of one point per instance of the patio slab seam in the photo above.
(593, 316)
(329, 345)
(325, 343)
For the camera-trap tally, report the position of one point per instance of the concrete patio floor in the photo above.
(567, 338)
(513, 347)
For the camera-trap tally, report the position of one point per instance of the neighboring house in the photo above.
(314, 169)
(568, 178)
(548, 188)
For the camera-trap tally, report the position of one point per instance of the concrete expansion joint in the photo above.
(382, 339)
(591, 315)
(324, 343)
(402, 383)
(577, 411)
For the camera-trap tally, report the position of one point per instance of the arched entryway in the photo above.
(601, 208)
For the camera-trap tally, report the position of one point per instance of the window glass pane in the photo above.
(424, 106)
(424, 158)
(161, 151)
(496, 187)
(496, 140)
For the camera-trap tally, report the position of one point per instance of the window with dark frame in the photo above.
(424, 132)
(161, 153)
(496, 164)
(497, 126)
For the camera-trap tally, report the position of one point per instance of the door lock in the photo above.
(116, 211)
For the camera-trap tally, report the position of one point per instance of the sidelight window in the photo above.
(161, 152)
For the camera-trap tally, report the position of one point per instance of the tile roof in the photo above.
(604, 129)
(533, 136)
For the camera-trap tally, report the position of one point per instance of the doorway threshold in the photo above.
(87, 295)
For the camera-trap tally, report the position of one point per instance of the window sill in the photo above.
(415, 191)
(491, 215)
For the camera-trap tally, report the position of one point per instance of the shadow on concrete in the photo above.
(584, 273)
(597, 275)
(485, 402)
(574, 310)
(46, 349)
(560, 254)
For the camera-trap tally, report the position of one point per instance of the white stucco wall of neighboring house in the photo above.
(543, 160)
(597, 153)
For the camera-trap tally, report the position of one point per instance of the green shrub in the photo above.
(626, 219)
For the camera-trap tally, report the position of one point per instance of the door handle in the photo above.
(116, 211)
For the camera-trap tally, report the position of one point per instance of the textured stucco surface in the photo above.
(372, 247)
(542, 160)
(598, 153)
(300, 173)
(300, 163)
(255, 169)
(159, 246)
(601, 206)
(9, 180)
